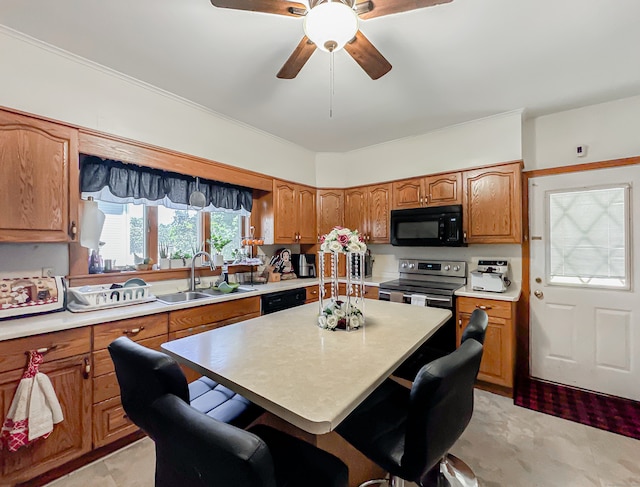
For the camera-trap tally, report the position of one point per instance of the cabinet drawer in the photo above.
(134, 328)
(63, 344)
(312, 294)
(174, 335)
(493, 307)
(105, 387)
(213, 313)
(110, 422)
(371, 292)
(102, 363)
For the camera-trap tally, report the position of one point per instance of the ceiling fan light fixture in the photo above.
(330, 25)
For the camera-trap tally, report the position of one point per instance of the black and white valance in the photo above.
(117, 182)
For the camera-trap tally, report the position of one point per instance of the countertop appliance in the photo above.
(24, 296)
(304, 265)
(438, 226)
(431, 283)
(277, 301)
(491, 275)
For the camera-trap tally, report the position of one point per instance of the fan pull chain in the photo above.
(331, 84)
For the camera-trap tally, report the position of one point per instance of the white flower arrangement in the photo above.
(339, 314)
(342, 239)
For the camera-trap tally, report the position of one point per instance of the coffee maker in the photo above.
(304, 265)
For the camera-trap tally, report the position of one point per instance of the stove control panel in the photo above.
(433, 267)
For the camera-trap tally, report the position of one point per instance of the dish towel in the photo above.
(34, 409)
(418, 300)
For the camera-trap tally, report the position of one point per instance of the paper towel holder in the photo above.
(91, 224)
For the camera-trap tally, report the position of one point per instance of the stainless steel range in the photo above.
(432, 283)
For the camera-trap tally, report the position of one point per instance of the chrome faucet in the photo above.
(212, 266)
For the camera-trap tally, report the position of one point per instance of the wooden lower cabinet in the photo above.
(313, 294)
(110, 422)
(498, 357)
(69, 372)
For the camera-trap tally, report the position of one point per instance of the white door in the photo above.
(584, 303)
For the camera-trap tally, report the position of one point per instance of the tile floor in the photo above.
(505, 445)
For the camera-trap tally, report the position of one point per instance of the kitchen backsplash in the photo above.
(387, 256)
(31, 258)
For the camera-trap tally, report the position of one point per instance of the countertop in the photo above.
(64, 320)
(511, 294)
(312, 378)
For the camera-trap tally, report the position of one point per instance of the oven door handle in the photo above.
(429, 298)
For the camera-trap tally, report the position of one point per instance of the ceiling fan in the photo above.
(331, 25)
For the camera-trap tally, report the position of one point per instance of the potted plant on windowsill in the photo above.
(178, 260)
(165, 262)
(218, 243)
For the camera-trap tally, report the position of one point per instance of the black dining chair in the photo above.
(197, 450)
(409, 432)
(476, 328)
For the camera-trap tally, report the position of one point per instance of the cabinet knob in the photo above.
(87, 368)
(73, 230)
(133, 331)
(482, 306)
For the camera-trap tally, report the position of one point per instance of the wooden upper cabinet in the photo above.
(38, 180)
(294, 213)
(355, 209)
(285, 211)
(444, 189)
(306, 215)
(330, 211)
(492, 210)
(440, 190)
(366, 209)
(379, 206)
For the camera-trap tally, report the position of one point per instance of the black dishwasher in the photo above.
(280, 300)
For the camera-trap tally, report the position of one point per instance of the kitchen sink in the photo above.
(216, 292)
(182, 297)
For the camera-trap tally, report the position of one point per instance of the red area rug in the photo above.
(609, 413)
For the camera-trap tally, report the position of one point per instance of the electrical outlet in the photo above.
(581, 150)
(47, 272)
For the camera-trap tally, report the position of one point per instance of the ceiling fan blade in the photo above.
(279, 7)
(298, 58)
(378, 8)
(367, 56)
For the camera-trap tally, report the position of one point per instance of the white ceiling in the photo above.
(451, 63)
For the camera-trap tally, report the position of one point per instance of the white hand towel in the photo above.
(418, 299)
(44, 408)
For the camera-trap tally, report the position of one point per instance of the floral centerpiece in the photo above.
(342, 239)
(342, 312)
(341, 315)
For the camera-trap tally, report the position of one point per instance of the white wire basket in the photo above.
(88, 298)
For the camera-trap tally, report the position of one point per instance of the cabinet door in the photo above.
(70, 439)
(285, 212)
(408, 193)
(497, 362)
(355, 209)
(306, 212)
(444, 189)
(38, 180)
(379, 202)
(493, 205)
(330, 209)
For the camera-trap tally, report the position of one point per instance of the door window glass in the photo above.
(588, 240)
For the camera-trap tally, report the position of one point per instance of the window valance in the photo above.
(117, 182)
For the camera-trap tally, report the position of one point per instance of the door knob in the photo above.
(538, 294)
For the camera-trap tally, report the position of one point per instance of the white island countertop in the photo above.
(310, 377)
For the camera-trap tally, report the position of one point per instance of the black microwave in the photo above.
(438, 226)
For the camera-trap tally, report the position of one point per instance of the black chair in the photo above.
(409, 432)
(196, 450)
(475, 329)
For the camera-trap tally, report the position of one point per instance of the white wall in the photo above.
(609, 130)
(480, 142)
(48, 82)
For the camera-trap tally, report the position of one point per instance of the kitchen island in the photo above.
(310, 377)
